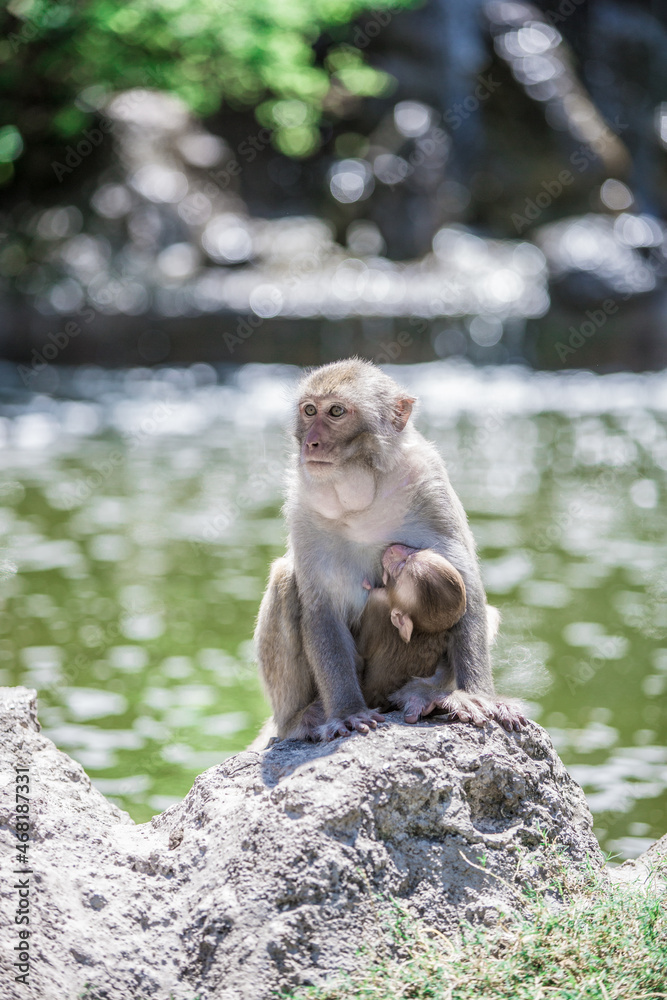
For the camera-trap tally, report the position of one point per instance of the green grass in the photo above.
(606, 943)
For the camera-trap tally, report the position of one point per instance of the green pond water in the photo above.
(139, 512)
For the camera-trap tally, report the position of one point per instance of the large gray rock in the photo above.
(277, 865)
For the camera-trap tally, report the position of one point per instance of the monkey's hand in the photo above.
(361, 722)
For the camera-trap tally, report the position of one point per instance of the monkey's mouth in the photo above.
(318, 469)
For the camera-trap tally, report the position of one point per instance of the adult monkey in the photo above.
(364, 478)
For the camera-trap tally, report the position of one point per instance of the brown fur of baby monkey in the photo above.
(422, 598)
(363, 478)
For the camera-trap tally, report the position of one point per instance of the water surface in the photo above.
(139, 512)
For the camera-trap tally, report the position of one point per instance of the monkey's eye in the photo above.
(337, 410)
(310, 410)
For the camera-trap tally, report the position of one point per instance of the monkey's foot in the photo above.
(419, 698)
(416, 698)
(509, 712)
(311, 720)
(305, 724)
(459, 706)
(362, 722)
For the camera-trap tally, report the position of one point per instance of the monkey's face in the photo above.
(327, 429)
(394, 560)
(401, 588)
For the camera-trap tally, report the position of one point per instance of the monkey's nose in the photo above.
(312, 439)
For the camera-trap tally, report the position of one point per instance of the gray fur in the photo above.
(384, 484)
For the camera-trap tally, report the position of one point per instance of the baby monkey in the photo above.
(403, 633)
(423, 597)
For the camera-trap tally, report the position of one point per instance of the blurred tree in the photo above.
(60, 59)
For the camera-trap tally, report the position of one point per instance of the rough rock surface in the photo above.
(648, 872)
(275, 868)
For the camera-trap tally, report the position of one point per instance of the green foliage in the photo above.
(11, 144)
(241, 53)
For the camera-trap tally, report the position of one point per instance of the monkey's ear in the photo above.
(403, 623)
(402, 411)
